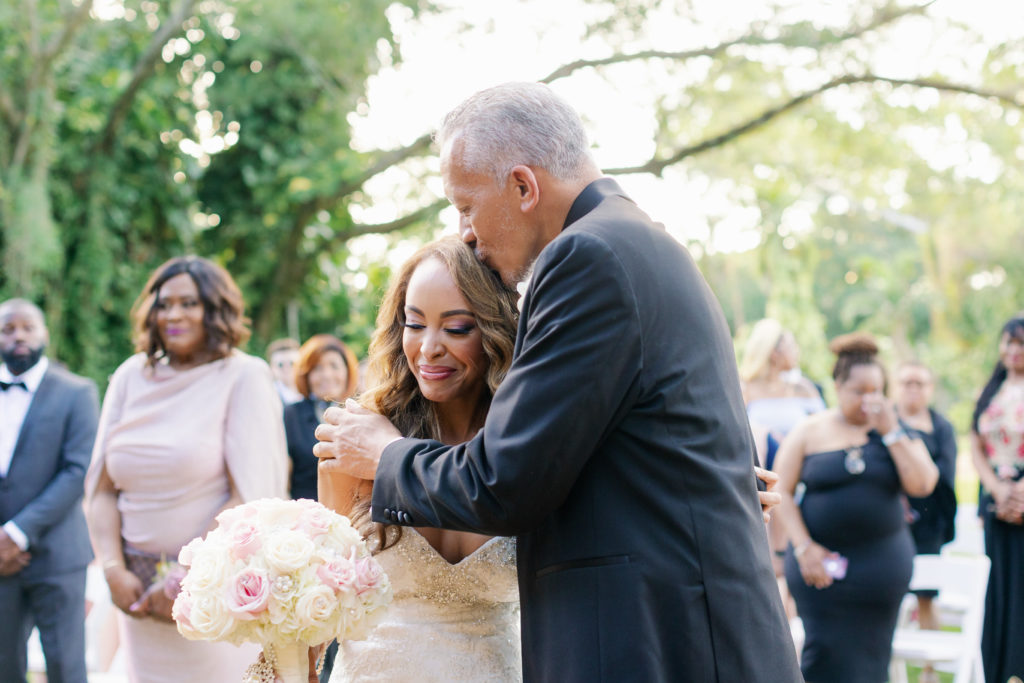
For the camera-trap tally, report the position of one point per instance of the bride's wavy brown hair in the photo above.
(394, 392)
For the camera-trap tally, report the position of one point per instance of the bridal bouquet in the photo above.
(288, 574)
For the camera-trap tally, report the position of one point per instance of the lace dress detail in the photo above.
(448, 622)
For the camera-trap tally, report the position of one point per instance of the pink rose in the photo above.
(316, 521)
(181, 609)
(368, 575)
(338, 574)
(244, 538)
(247, 593)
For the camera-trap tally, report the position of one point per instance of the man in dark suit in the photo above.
(617, 449)
(48, 422)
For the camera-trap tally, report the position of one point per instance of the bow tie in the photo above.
(4, 386)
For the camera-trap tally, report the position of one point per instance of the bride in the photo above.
(443, 343)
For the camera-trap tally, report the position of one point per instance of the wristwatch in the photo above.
(895, 435)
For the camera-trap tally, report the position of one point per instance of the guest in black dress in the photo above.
(851, 554)
(325, 371)
(934, 517)
(997, 450)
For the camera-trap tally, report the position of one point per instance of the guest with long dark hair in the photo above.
(997, 450)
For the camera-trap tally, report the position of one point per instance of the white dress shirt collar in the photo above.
(31, 377)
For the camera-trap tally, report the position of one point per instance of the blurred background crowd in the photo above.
(835, 168)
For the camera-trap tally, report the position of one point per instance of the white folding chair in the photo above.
(962, 582)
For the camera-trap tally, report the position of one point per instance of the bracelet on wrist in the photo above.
(801, 549)
(891, 437)
(110, 564)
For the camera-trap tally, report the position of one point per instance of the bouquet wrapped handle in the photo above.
(291, 661)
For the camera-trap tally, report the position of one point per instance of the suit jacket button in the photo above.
(406, 518)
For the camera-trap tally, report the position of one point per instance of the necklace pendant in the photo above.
(854, 461)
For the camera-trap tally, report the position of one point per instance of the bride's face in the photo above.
(442, 341)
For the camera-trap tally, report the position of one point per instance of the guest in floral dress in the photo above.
(997, 448)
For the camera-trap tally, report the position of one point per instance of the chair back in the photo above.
(962, 581)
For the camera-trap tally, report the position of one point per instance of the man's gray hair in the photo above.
(518, 123)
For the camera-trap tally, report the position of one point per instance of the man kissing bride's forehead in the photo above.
(589, 453)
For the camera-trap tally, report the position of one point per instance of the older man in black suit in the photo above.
(617, 449)
(47, 425)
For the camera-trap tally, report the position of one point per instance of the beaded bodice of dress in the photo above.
(447, 622)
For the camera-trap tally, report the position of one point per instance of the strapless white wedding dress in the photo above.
(447, 622)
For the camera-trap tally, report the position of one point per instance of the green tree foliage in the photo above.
(850, 192)
(123, 145)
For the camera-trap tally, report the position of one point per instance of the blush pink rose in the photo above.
(244, 538)
(316, 521)
(246, 593)
(338, 574)
(368, 575)
(181, 609)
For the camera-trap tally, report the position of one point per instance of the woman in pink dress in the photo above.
(190, 426)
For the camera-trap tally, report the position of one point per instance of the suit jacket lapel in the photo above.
(45, 393)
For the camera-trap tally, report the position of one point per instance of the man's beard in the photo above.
(20, 363)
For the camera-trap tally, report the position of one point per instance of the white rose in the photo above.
(282, 618)
(343, 534)
(287, 551)
(315, 607)
(209, 619)
(273, 512)
(207, 571)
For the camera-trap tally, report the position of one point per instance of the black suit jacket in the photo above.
(300, 422)
(618, 450)
(43, 489)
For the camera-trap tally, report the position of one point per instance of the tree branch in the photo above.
(657, 165)
(416, 216)
(8, 111)
(383, 163)
(144, 68)
(60, 43)
(754, 39)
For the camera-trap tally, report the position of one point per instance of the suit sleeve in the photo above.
(577, 367)
(66, 488)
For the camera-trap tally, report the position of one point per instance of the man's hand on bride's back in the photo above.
(769, 498)
(355, 437)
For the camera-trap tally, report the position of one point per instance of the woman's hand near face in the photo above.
(881, 413)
